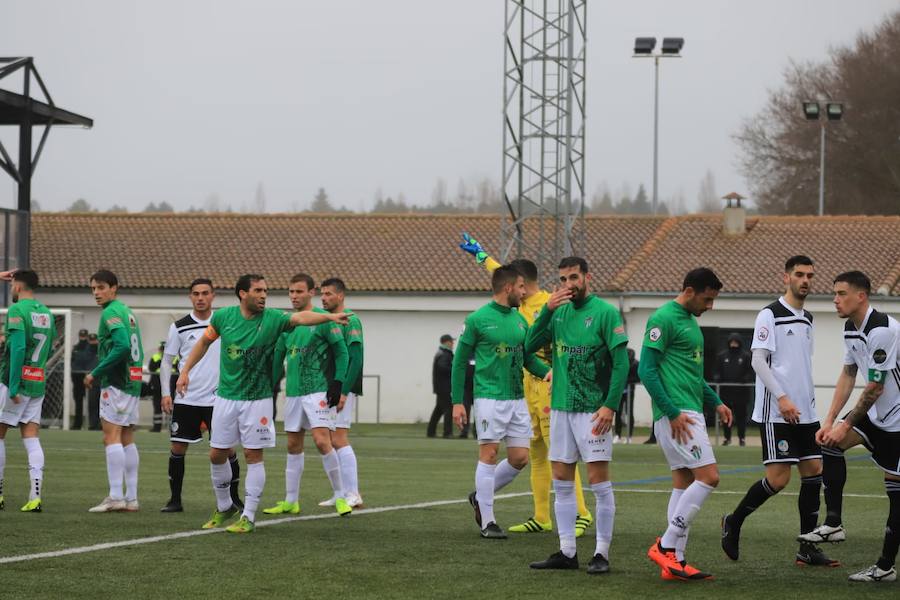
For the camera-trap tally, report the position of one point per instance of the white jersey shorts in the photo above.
(28, 410)
(307, 412)
(695, 453)
(571, 438)
(245, 422)
(344, 419)
(498, 420)
(118, 408)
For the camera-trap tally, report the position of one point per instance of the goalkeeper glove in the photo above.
(471, 245)
(333, 395)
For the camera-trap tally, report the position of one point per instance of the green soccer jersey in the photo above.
(310, 356)
(247, 348)
(582, 337)
(353, 334)
(674, 332)
(125, 373)
(37, 324)
(496, 334)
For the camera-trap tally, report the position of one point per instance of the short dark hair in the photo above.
(245, 281)
(502, 276)
(856, 279)
(308, 280)
(701, 279)
(28, 277)
(574, 261)
(105, 276)
(793, 261)
(527, 268)
(201, 281)
(337, 283)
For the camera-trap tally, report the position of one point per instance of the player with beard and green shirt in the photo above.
(590, 369)
(242, 413)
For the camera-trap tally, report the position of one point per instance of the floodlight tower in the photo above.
(543, 131)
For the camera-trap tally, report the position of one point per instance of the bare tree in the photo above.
(707, 198)
(259, 200)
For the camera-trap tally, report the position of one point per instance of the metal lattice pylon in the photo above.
(543, 131)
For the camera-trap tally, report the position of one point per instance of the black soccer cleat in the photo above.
(172, 507)
(731, 538)
(474, 502)
(558, 560)
(492, 531)
(598, 565)
(810, 555)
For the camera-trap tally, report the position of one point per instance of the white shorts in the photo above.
(28, 410)
(696, 453)
(307, 412)
(571, 438)
(118, 408)
(498, 420)
(343, 419)
(245, 422)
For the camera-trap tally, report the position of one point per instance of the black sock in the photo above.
(834, 476)
(235, 479)
(176, 475)
(808, 503)
(892, 529)
(758, 493)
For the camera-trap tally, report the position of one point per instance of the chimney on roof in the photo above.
(735, 218)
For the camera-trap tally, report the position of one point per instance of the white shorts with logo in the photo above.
(498, 420)
(118, 408)
(695, 453)
(245, 422)
(343, 419)
(28, 410)
(307, 412)
(571, 438)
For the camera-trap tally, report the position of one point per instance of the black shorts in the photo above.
(884, 445)
(188, 422)
(784, 443)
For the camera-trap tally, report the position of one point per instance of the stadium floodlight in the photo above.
(834, 111)
(644, 45)
(672, 45)
(811, 110)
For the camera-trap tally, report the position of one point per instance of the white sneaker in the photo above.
(616, 439)
(874, 574)
(824, 533)
(108, 505)
(329, 502)
(354, 500)
(132, 506)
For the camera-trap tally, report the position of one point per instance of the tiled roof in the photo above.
(395, 253)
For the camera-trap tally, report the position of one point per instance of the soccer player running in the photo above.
(333, 296)
(120, 373)
(495, 334)
(785, 408)
(316, 367)
(537, 397)
(590, 370)
(30, 330)
(242, 413)
(671, 369)
(872, 346)
(192, 411)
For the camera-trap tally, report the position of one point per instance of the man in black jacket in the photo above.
(733, 366)
(440, 378)
(82, 359)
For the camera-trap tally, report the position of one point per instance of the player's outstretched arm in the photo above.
(471, 246)
(308, 317)
(197, 353)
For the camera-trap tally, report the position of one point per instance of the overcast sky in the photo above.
(192, 98)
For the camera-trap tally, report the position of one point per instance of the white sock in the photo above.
(688, 506)
(347, 458)
(221, 480)
(484, 491)
(605, 516)
(670, 514)
(504, 475)
(132, 462)
(253, 488)
(293, 472)
(35, 466)
(566, 509)
(115, 470)
(332, 465)
(2, 462)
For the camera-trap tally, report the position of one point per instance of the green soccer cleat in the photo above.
(32, 506)
(242, 525)
(582, 523)
(342, 508)
(531, 526)
(219, 517)
(283, 507)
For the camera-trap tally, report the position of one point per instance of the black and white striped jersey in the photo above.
(875, 349)
(183, 334)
